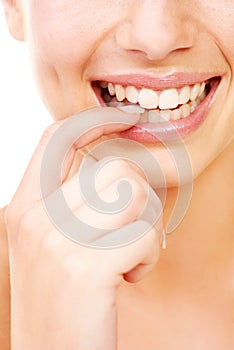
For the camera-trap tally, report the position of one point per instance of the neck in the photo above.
(202, 242)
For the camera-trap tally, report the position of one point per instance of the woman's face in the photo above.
(159, 52)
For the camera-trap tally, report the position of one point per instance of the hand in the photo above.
(63, 294)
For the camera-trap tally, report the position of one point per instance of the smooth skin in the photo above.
(186, 300)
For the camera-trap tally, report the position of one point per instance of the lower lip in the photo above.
(171, 130)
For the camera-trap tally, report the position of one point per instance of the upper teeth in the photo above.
(150, 99)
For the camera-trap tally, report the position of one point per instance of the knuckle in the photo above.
(152, 240)
(135, 204)
(23, 235)
(126, 167)
(139, 191)
(123, 164)
(28, 221)
(116, 166)
(48, 133)
(131, 167)
(19, 225)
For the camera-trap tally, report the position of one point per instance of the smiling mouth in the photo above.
(171, 107)
(157, 106)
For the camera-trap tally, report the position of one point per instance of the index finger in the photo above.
(63, 137)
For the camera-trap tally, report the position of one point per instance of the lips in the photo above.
(172, 106)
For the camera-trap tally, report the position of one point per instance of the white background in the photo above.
(23, 117)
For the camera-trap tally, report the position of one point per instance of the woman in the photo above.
(175, 58)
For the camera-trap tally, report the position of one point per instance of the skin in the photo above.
(193, 278)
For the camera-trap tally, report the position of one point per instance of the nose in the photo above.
(156, 28)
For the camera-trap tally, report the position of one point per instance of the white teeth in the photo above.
(193, 106)
(165, 115)
(132, 94)
(202, 89)
(154, 116)
(144, 117)
(160, 116)
(111, 89)
(169, 99)
(176, 114)
(148, 99)
(202, 96)
(195, 92)
(160, 106)
(184, 95)
(120, 92)
(186, 110)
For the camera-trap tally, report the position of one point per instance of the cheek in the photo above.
(57, 33)
(225, 35)
(62, 37)
(68, 31)
(216, 17)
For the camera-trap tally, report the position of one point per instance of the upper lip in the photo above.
(159, 82)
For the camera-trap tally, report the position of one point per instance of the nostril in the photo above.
(157, 32)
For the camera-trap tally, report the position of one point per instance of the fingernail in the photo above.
(131, 109)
